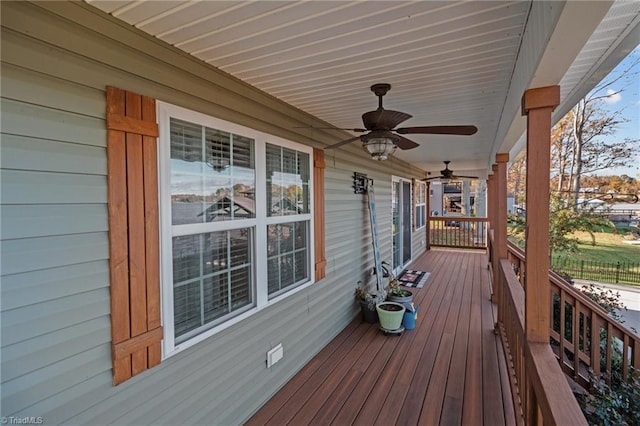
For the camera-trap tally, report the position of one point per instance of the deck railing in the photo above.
(458, 232)
(540, 392)
(582, 335)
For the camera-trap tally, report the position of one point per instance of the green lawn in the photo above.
(608, 248)
(599, 262)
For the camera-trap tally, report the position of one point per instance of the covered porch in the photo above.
(297, 73)
(449, 370)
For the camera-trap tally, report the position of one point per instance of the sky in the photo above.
(625, 97)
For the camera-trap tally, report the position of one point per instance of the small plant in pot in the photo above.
(368, 300)
(397, 294)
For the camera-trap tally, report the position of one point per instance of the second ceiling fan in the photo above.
(446, 174)
(382, 137)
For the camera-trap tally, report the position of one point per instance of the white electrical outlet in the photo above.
(275, 355)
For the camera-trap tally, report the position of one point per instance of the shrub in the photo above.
(615, 404)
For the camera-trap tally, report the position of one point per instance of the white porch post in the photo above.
(481, 198)
(466, 197)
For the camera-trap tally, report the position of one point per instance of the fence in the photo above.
(620, 272)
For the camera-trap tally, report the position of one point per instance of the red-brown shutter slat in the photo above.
(318, 202)
(133, 233)
(150, 172)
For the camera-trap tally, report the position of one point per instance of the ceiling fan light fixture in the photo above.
(218, 163)
(379, 147)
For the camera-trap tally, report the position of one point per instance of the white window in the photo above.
(421, 204)
(236, 223)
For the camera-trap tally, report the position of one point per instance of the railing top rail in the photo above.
(554, 396)
(459, 218)
(515, 289)
(515, 250)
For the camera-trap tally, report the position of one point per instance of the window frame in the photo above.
(420, 186)
(259, 223)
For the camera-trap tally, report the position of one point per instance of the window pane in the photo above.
(287, 181)
(420, 196)
(212, 277)
(187, 191)
(420, 216)
(212, 174)
(288, 255)
(186, 303)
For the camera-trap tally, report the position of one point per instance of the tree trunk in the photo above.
(578, 126)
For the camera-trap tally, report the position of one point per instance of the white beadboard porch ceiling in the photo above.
(449, 62)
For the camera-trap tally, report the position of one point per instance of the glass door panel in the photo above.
(396, 235)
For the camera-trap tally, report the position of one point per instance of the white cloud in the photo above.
(612, 97)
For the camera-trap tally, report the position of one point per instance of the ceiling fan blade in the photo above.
(344, 142)
(331, 128)
(431, 178)
(383, 119)
(439, 130)
(463, 177)
(404, 143)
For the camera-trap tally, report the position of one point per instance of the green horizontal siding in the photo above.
(20, 221)
(28, 153)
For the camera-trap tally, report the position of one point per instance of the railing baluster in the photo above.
(576, 339)
(596, 354)
(625, 356)
(609, 353)
(563, 321)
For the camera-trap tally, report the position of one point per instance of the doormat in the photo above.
(409, 278)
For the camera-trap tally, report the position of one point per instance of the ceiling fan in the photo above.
(447, 175)
(382, 137)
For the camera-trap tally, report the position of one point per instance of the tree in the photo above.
(516, 178)
(563, 222)
(583, 140)
(561, 149)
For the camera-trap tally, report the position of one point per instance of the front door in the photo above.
(400, 223)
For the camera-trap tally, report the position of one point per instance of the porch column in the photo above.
(501, 205)
(500, 230)
(491, 215)
(537, 105)
(466, 197)
(427, 200)
(481, 199)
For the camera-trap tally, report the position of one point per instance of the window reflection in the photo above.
(287, 181)
(212, 174)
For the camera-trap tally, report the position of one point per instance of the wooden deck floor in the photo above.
(449, 370)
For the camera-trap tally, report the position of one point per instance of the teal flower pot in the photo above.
(390, 315)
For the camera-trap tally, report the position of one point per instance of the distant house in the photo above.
(237, 206)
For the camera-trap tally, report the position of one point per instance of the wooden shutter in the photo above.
(318, 202)
(132, 134)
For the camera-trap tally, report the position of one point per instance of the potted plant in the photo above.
(391, 315)
(368, 301)
(397, 294)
